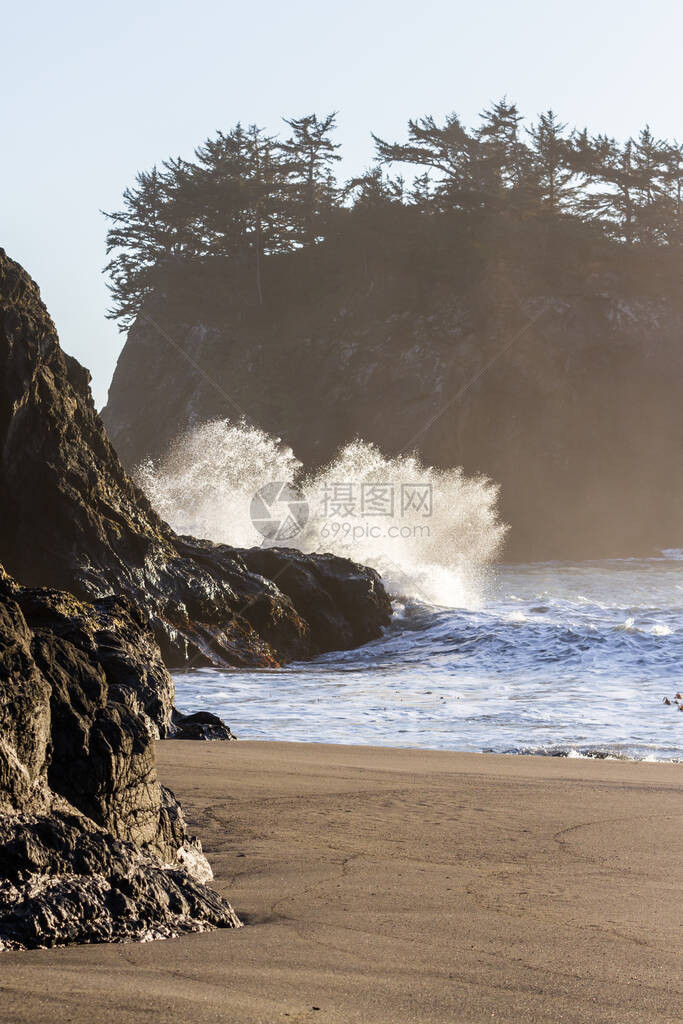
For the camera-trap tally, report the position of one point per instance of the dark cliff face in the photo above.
(74, 520)
(569, 398)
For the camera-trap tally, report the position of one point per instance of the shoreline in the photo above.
(382, 885)
(571, 753)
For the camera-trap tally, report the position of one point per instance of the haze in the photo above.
(102, 92)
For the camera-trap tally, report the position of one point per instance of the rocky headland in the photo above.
(560, 383)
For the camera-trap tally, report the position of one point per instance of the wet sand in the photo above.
(401, 886)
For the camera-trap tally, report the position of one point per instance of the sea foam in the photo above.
(437, 552)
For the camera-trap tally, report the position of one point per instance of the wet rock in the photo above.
(115, 638)
(63, 881)
(92, 848)
(201, 725)
(75, 521)
(343, 602)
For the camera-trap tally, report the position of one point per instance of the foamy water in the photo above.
(552, 658)
(437, 552)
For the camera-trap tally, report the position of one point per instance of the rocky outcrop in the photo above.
(202, 725)
(64, 881)
(92, 848)
(565, 392)
(72, 519)
(25, 719)
(331, 594)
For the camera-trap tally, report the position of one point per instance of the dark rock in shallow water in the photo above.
(340, 600)
(202, 725)
(92, 848)
(74, 520)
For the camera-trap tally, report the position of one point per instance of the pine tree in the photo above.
(449, 152)
(180, 211)
(421, 193)
(241, 193)
(672, 182)
(557, 173)
(141, 237)
(219, 193)
(309, 155)
(374, 189)
(376, 217)
(649, 169)
(502, 146)
(474, 193)
(610, 196)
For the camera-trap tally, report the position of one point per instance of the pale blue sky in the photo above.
(94, 92)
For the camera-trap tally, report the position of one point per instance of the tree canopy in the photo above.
(246, 194)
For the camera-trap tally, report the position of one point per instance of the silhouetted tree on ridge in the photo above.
(248, 195)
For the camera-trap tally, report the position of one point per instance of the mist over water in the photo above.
(542, 658)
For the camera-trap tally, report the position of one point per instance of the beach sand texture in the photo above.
(385, 886)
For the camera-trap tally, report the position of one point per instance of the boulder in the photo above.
(201, 725)
(64, 881)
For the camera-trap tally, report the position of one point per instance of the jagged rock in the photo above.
(24, 711)
(101, 730)
(74, 520)
(331, 593)
(63, 881)
(114, 635)
(92, 848)
(201, 725)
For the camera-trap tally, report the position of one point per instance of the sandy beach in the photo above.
(382, 885)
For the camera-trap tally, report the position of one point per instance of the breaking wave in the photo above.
(431, 533)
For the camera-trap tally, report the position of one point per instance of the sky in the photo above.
(96, 92)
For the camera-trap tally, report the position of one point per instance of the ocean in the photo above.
(552, 658)
(559, 659)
